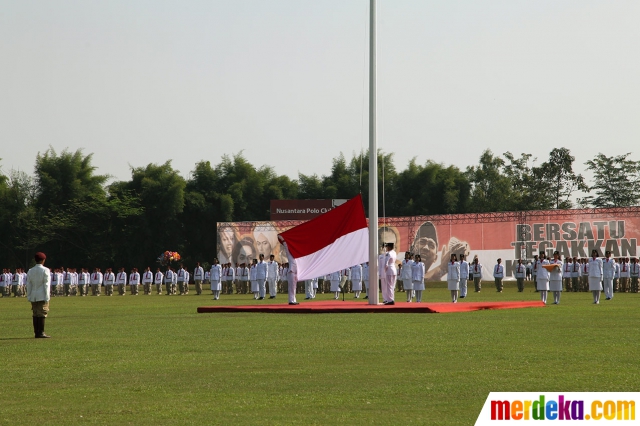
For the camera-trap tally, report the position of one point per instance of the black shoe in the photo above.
(294, 303)
(366, 297)
(272, 297)
(391, 303)
(307, 298)
(260, 298)
(462, 297)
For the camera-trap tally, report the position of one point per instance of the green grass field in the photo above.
(154, 360)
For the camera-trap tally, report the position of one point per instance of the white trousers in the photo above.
(272, 286)
(262, 287)
(390, 285)
(308, 289)
(463, 286)
(607, 283)
(292, 291)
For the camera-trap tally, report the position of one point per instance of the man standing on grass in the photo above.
(96, 282)
(261, 277)
(121, 282)
(272, 276)
(391, 274)
(147, 279)
(157, 279)
(38, 282)
(198, 276)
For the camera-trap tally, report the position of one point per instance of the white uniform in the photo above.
(391, 275)
(261, 277)
(356, 278)
(555, 276)
(335, 278)
(405, 274)
(216, 276)
(608, 273)
(542, 276)
(453, 276)
(464, 277)
(365, 277)
(254, 282)
(417, 275)
(272, 277)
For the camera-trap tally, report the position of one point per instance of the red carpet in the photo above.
(338, 306)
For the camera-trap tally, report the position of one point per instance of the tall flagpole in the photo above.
(374, 296)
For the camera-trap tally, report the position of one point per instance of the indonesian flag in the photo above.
(330, 242)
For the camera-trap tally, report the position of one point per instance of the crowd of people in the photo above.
(261, 276)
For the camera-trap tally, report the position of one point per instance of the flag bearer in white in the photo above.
(157, 280)
(464, 276)
(382, 276)
(261, 277)
(365, 278)
(335, 278)
(453, 277)
(555, 277)
(216, 276)
(134, 281)
(608, 271)
(405, 275)
(417, 276)
(147, 280)
(542, 276)
(253, 273)
(520, 273)
(272, 276)
(198, 276)
(308, 289)
(391, 274)
(356, 280)
(595, 276)
(293, 282)
(121, 282)
(498, 275)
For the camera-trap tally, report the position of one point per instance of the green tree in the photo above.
(491, 189)
(559, 178)
(616, 181)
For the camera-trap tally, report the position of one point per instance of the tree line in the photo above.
(68, 210)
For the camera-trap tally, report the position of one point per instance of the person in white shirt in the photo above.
(109, 280)
(66, 282)
(595, 275)
(134, 281)
(567, 270)
(365, 278)
(83, 280)
(624, 274)
(198, 276)
(231, 277)
(121, 282)
(381, 279)
(38, 283)
(575, 275)
(187, 277)
(616, 276)
(555, 277)
(476, 270)
(405, 275)
(181, 278)
(634, 272)
(216, 277)
(585, 274)
(464, 276)
(55, 277)
(453, 277)
(261, 277)
(335, 278)
(16, 283)
(253, 273)
(608, 272)
(272, 276)
(243, 274)
(158, 278)
(168, 280)
(417, 277)
(498, 275)
(292, 278)
(207, 278)
(147, 280)
(520, 275)
(4, 283)
(534, 271)
(96, 282)
(356, 280)
(542, 277)
(391, 274)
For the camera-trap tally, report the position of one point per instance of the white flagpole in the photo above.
(374, 296)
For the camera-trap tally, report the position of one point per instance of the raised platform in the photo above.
(338, 306)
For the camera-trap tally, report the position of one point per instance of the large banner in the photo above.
(508, 235)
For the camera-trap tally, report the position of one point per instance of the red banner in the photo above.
(508, 235)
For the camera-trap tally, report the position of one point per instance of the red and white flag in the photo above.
(330, 242)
